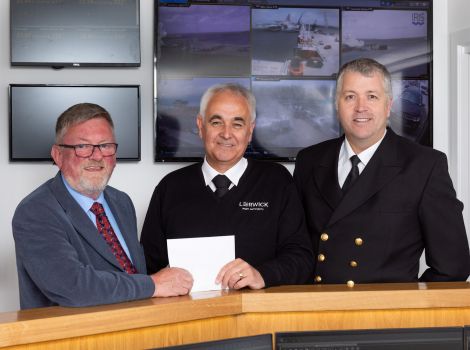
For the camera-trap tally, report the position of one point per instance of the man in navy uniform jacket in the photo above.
(374, 200)
(259, 206)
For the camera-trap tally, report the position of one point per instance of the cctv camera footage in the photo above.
(288, 52)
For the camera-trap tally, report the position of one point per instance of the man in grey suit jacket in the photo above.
(62, 259)
(374, 200)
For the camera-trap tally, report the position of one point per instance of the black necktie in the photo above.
(222, 184)
(353, 174)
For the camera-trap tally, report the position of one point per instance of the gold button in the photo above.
(358, 241)
(353, 263)
(350, 283)
(317, 279)
(324, 237)
(321, 257)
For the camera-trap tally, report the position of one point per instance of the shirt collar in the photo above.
(365, 156)
(234, 173)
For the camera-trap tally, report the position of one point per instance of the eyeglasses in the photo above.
(85, 150)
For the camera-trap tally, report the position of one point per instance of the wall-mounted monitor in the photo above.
(34, 110)
(75, 33)
(288, 53)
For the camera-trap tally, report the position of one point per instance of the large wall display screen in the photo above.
(288, 53)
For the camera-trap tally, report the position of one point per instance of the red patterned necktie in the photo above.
(107, 232)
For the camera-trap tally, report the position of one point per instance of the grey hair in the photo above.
(367, 67)
(77, 114)
(236, 89)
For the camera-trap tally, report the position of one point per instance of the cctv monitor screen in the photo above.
(204, 40)
(288, 53)
(308, 41)
(34, 110)
(178, 135)
(291, 115)
(75, 33)
(396, 38)
(390, 339)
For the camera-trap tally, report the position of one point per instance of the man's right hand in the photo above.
(172, 281)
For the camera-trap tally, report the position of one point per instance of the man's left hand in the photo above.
(238, 274)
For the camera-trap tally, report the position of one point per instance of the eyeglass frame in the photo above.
(74, 147)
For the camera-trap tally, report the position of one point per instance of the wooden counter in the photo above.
(226, 314)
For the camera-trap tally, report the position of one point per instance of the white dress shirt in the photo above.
(234, 173)
(346, 152)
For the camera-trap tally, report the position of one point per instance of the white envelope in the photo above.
(203, 257)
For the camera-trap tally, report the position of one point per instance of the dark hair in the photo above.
(77, 114)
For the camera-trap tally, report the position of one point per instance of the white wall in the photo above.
(19, 179)
(459, 11)
(459, 90)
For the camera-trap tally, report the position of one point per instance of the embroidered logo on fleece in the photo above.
(253, 205)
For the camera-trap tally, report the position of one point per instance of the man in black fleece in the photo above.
(261, 208)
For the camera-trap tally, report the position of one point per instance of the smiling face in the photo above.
(87, 176)
(363, 109)
(225, 130)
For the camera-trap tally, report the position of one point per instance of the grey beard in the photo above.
(92, 188)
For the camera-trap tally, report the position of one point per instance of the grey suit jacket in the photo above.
(402, 203)
(61, 258)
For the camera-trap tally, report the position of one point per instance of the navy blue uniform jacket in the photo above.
(403, 202)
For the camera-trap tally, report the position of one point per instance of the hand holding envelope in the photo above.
(211, 261)
(238, 274)
(171, 282)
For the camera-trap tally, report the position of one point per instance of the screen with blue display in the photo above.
(288, 53)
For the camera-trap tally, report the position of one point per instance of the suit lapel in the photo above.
(325, 175)
(81, 221)
(381, 169)
(128, 230)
